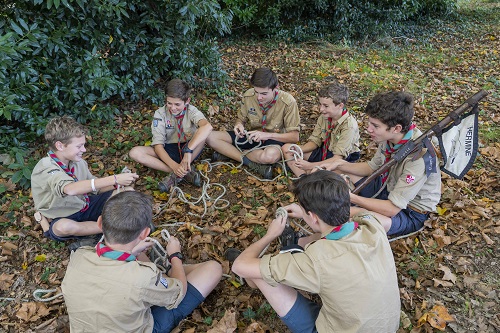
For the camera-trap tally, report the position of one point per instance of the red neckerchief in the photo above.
(70, 173)
(264, 110)
(106, 251)
(180, 130)
(331, 127)
(390, 149)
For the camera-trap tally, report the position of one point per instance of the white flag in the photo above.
(458, 145)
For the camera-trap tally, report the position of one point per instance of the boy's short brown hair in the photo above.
(264, 78)
(178, 88)
(63, 129)
(392, 108)
(339, 93)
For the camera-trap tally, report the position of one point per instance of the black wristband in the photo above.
(175, 254)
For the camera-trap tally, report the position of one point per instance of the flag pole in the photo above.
(415, 145)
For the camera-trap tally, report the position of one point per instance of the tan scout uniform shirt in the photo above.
(106, 295)
(47, 186)
(283, 117)
(355, 277)
(344, 139)
(407, 182)
(164, 126)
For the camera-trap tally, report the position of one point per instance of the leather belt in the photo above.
(418, 210)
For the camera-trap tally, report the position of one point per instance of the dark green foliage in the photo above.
(300, 20)
(74, 56)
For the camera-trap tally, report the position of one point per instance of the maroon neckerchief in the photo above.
(266, 108)
(180, 130)
(70, 173)
(331, 127)
(390, 149)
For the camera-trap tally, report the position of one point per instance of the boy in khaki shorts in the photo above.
(179, 133)
(268, 116)
(335, 136)
(347, 262)
(113, 287)
(63, 188)
(411, 189)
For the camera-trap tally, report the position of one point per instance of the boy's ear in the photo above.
(99, 222)
(59, 145)
(188, 100)
(313, 216)
(398, 128)
(144, 233)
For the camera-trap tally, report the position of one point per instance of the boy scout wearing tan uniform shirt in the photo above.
(283, 117)
(47, 186)
(407, 183)
(117, 293)
(354, 276)
(344, 139)
(164, 126)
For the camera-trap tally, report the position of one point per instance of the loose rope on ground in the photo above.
(38, 292)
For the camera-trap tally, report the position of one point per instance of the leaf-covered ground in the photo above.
(449, 274)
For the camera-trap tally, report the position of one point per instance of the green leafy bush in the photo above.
(75, 56)
(300, 20)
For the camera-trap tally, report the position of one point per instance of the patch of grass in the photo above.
(259, 230)
(489, 134)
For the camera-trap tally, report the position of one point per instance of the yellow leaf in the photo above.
(147, 143)
(160, 195)
(156, 233)
(235, 283)
(441, 211)
(93, 108)
(25, 265)
(41, 258)
(110, 39)
(234, 171)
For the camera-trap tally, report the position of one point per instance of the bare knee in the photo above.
(135, 153)
(214, 268)
(63, 227)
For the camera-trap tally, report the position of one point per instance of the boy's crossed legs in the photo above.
(202, 278)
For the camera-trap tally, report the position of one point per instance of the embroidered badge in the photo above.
(50, 172)
(169, 124)
(252, 111)
(410, 179)
(164, 282)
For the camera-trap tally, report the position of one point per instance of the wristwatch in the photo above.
(176, 254)
(186, 150)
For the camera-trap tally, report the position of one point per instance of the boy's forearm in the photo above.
(177, 272)
(383, 207)
(247, 265)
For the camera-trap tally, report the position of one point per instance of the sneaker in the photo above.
(218, 157)
(288, 237)
(85, 241)
(166, 183)
(294, 248)
(231, 254)
(193, 177)
(265, 170)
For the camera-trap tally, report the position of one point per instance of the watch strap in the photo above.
(177, 255)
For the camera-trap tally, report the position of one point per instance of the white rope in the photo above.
(205, 198)
(124, 170)
(45, 291)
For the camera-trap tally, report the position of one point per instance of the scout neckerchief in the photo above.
(106, 251)
(70, 173)
(331, 127)
(266, 108)
(390, 149)
(180, 131)
(341, 231)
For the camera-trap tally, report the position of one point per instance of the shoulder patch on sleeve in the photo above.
(50, 172)
(164, 282)
(156, 121)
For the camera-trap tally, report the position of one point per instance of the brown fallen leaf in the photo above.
(448, 275)
(6, 281)
(438, 282)
(227, 324)
(32, 311)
